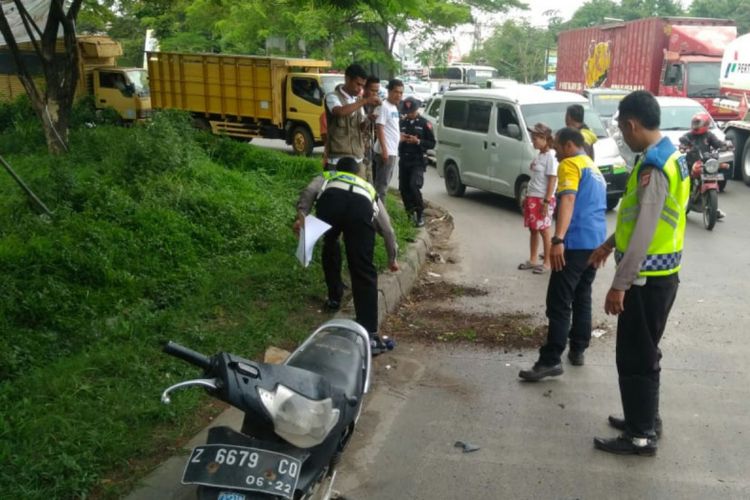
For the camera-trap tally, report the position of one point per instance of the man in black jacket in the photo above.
(416, 138)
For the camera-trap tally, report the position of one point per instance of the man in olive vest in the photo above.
(647, 242)
(346, 118)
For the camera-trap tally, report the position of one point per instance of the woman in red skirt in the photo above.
(540, 199)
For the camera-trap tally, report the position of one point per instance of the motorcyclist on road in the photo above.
(700, 141)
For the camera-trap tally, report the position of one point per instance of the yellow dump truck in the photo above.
(124, 89)
(245, 96)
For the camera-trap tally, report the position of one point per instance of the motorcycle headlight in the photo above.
(711, 166)
(300, 421)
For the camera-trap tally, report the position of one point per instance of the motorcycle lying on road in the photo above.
(705, 175)
(298, 416)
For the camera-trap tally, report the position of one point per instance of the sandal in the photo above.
(540, 269)
(523, 266)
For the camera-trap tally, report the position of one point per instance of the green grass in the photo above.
(159, 232)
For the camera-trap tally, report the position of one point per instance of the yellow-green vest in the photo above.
(352, 179)
(664, 254)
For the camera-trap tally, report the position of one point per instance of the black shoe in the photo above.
(576, 358)
(331, 305)
(419, 219)
(626, 445)
(379, 346)
(539, 371)
(619, 424)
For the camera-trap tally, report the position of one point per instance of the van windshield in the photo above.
(553, 115)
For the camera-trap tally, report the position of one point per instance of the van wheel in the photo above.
(302, 141)
(453, 183)
(522, 190)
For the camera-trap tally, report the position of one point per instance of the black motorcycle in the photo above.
(705, 175)
(299, 416)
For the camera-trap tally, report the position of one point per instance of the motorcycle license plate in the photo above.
(713, 178)
(243, 468)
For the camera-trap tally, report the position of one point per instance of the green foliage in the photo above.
(159, 232)
(593, 12)
(518, 50)
(738, 10)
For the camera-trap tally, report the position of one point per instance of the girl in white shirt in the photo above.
(540, 199)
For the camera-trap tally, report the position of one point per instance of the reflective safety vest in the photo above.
(664, 254)
(352, 183)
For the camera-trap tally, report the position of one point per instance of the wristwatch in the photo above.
(557, 241)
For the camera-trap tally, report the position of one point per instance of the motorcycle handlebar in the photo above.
(189, 355)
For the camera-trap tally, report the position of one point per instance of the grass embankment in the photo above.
(159, 232)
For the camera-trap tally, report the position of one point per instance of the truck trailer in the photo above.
(245, 96)
(123, 89)
(735, 95)
(668, 56)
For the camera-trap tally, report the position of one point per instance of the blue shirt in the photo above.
(588, 226)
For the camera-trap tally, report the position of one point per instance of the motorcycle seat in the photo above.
(339, 357)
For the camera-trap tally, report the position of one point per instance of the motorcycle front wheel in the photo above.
(710, 209)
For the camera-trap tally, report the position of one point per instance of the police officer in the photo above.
(647, 242)
(350, 205)
(416, 139)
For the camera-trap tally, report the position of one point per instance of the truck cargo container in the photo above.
(735, 90)
(245, 96)
(123, 89)
(668, 56)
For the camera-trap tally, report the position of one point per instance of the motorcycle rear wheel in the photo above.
(710, 209)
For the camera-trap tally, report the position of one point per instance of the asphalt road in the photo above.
(536, 439)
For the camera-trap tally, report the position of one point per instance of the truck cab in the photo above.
(305, 93)
(123, 89)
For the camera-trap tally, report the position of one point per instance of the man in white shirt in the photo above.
(345, 118)
(388, 133)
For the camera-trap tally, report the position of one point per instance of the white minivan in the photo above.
(484, 142)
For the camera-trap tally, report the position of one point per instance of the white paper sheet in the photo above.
(310, 233)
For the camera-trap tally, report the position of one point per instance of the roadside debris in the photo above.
(467, 447)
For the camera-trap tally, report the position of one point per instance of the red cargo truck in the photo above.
(669, 56)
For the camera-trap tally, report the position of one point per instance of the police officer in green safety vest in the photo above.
(351, 206)
(647, 243)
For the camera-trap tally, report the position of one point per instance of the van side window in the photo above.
(454, 114)
(479, 116)
(307, 89)
(506, 115)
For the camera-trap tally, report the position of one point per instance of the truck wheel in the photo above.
(302, 141)
(738, 139)
(453, 183)
(744, 164)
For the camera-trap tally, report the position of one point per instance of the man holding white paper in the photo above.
(351, 206)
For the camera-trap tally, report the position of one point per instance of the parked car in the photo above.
(604, 101)
(420, 90)
(676, 115)
(484, 142)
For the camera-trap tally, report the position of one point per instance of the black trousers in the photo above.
(410, 182)
(569, 294)
(350, 214)
(639, 329)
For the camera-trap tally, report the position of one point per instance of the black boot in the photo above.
(418, 219)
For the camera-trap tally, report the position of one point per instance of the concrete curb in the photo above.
(164, 482)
